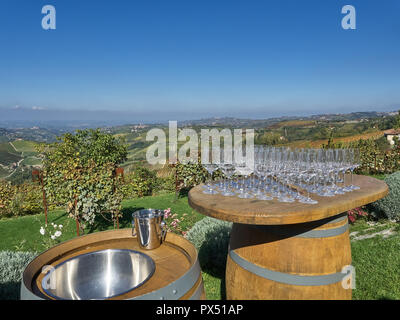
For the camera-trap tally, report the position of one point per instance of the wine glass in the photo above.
(228, 169)
(308, 174)
(354, 162)
(243, 169)
(211, 165)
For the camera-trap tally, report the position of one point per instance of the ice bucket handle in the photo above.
(133, 228)
(163, 230)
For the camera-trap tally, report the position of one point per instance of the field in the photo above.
(8, 155)
(16, 160)
(292, 123)
(319, 143)
(31, 161)
(25, 146)
(3, 172)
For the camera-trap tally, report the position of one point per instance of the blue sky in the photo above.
(167, 60)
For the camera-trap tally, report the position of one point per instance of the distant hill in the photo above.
(18, 155)
(36, 134)
(258, 123)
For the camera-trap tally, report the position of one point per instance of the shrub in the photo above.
(188, 175)
(27, 200)
(141, 182)
(174, 222)
(79, 172)
(12, 265)
(355, 214)
(211, 238)
(390, 205)
(166, 184)
(7, 193)
(20, 200)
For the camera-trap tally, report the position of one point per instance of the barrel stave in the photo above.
(283, 259)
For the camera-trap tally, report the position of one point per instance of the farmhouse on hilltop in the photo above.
(390, 134)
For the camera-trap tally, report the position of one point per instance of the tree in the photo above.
(79, 172)
(397, 124)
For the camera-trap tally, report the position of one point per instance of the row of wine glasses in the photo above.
(283, 173)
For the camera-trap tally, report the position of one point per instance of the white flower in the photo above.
(57, 234)
(60, 226)
(53, 237)
(42, 231)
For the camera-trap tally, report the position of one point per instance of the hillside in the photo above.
(8, 155)
(17, 158)
(18, 155)
(36, 134)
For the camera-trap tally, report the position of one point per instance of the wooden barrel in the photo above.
(294, 261)
(177, 270)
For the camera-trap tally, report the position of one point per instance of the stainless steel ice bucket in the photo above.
(149, 227)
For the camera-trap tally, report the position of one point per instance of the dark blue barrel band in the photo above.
(197, 294)
(289, 231)
(342, 217)
(324, 233)
(292, 279)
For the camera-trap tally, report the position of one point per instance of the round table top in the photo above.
(273, 212)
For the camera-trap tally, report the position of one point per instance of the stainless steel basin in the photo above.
(99, 274)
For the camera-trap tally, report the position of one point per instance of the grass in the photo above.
(8, 155)
(25, 146)
(3, 172)
(377, 265)
(6, 147)
(23, 232)
(31, 161)
(376, 260)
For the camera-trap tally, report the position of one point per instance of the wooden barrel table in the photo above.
(288, 250)
(177, 272)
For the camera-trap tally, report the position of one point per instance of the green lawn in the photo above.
(23, 232)
(377, 268)
(377, 260)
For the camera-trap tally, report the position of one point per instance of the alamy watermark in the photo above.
(349, 20)
(210, 146)
(49, 280)
(49, 20)
(349, 280)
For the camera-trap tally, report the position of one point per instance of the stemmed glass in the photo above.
(282, 175)
(211, 165)
(353, 160)
(260, 170)
(244, 170)
(308, 174)
(325, 170)
(228, 169)
(211, 168)
(283, 172)
(338, 170)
